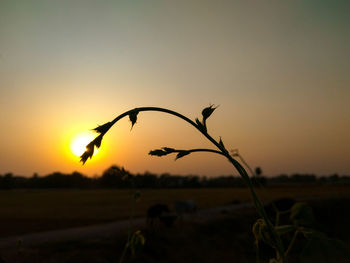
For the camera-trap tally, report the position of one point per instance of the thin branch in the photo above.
(164, 151)
(127, 113)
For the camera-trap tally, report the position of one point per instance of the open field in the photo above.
(224, 238)
(26, 211)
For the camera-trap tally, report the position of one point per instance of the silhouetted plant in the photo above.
(264, 225)
(299, 226)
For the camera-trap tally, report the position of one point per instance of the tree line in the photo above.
(118, 177)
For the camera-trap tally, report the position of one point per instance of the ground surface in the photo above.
(28, 211)
(220, 236)
(213, 235)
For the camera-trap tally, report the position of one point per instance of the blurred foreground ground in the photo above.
(224, 236)
(30, 211)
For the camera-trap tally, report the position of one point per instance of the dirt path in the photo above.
(104, 230)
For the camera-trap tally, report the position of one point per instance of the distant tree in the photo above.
(259, 180)
(193, 181)
(146, 180)
(115, 177)
(33, 182)
(258, 171)
(304, 178)
(7, 181)
(334, 178)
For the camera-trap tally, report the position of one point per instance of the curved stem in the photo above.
(258, 204)
(203, 150)
(140, 109)
(198, 150)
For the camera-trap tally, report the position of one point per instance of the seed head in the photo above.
(158, 152)
(133, 117)
(89, 152)
(103, 128)
(207, 112)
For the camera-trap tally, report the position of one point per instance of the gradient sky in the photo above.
(280, 71)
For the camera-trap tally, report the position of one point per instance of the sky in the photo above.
(279, 71)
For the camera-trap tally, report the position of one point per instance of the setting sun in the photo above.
(79, 143)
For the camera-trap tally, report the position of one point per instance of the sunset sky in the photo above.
(280, 71)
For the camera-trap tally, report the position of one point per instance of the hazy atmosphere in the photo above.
(279, 71)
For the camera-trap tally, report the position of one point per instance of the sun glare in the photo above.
(78, 144)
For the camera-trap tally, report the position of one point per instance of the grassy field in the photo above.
(226, 238)
(25, 211)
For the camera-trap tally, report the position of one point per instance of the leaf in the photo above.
(103, 128)
(182, 154)
(221, 143)
(133, 117)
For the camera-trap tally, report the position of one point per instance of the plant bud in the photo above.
(133, 117)
(207, 112)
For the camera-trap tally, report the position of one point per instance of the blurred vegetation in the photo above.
(114, 177)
